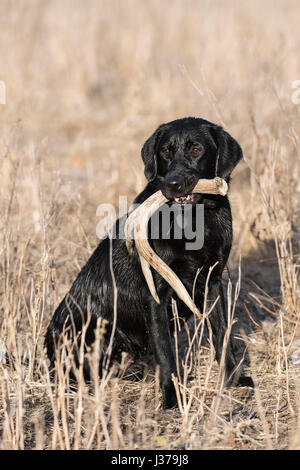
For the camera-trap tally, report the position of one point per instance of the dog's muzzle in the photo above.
(174, 190)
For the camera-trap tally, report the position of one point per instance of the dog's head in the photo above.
(183, 151)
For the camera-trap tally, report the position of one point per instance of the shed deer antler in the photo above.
(137, 222)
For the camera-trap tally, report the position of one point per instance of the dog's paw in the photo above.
(245, 381)
(169, 397)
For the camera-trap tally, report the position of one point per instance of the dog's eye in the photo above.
(166, 153)
(195, 151)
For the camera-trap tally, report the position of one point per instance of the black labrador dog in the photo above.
(175, 157)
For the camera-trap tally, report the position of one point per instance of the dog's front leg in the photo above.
(234, 347)
(161, 342)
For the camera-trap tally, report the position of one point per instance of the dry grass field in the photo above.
(86, 83)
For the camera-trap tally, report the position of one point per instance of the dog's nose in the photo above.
(174, 183)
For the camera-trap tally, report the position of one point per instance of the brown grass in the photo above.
(87, 82)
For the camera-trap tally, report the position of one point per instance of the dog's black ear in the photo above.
(229, 151)
(149, 155)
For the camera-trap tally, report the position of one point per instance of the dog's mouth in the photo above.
(182, 200)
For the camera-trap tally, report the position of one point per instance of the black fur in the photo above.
(175, 157)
